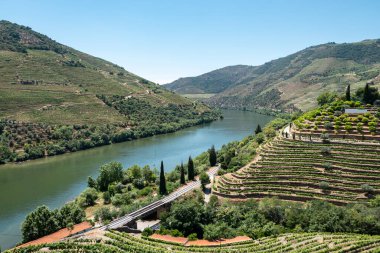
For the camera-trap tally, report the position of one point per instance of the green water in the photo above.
(55, 180)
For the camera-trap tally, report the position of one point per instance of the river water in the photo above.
(53, 181)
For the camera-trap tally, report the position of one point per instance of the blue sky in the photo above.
(163, 40)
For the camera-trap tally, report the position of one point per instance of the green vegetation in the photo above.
(190, 169)
(162, 189)
(269, 217)
(117, 242)
(212, 156)
(42, 221)
(59, 100)
(292, 82)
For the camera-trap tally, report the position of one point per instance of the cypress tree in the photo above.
(348, 93)
(162, 188)
(367, 94)
(258, 129)
(182, 179)
(212, 156)
(190, 169)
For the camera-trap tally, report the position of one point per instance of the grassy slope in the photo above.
(68, 91)
(294, 80)
(44, 82)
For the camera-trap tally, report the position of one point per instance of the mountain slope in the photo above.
(44, 84)
(296, 80)
(213, 82)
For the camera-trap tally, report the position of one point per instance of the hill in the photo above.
(302, 242)
(311, 160)
(56, 99)
(290, 82)
(213, 82)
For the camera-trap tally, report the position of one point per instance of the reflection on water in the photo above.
(55, 180)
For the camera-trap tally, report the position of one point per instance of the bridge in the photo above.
(146, 210)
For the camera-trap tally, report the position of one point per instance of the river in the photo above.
(55, 180)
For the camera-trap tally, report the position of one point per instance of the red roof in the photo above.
(60, 234)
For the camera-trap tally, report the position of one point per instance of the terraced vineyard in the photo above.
(303, 242)
(338, 172)
(332, 119)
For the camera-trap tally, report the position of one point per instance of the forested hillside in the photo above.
(290, 82)
(55, 99)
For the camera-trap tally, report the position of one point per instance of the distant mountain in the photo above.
(213, 82)
(290, 82)
(45, 85)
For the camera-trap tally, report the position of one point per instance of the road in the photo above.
(119, 222)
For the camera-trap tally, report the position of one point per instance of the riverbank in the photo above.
(20, 141)
(58, 179)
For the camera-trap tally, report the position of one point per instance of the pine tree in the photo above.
(348, 93)
(190, 169)
(182, 179)
(367, 94)
(212, 156)
(258, 129)
(162, 189)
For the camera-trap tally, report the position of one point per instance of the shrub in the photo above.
(260, 138)
(324, 186)
(326, 151)
(367, 189)
(329, 125)
(327, 166)
(325, 138)
(192, 237)
(147, 232)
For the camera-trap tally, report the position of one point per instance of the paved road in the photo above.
(119, 222)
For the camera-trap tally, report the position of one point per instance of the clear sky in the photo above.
(162, 40)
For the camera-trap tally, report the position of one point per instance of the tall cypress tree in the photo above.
(182, 179)
(162, 189)
(212, 156)
(258, 129)
(190, 169)
(348, 93)
(367, 94)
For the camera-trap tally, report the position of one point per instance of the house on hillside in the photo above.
(355, 111)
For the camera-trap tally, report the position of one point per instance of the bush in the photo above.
(103, 214)
(326, 151)
(327, 166)
(192, 237)
(88, 197)
(325, 138)
(260, 138)
(147, 232)
(367, 189)
(324, 186)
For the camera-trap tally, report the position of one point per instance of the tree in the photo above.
(326, 98)
(190, 169)
(205, 179)
(92, 183)
(324, 186)
(88, 197)
(109, 173)
(70, 213)
(258, 129)
(38, 223)
(368, 94)
(162, 187)
(212, 156)
(348, 93)
(184, 215)
(182, 179)
(367, 189)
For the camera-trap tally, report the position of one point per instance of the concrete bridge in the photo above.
(153, 207)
